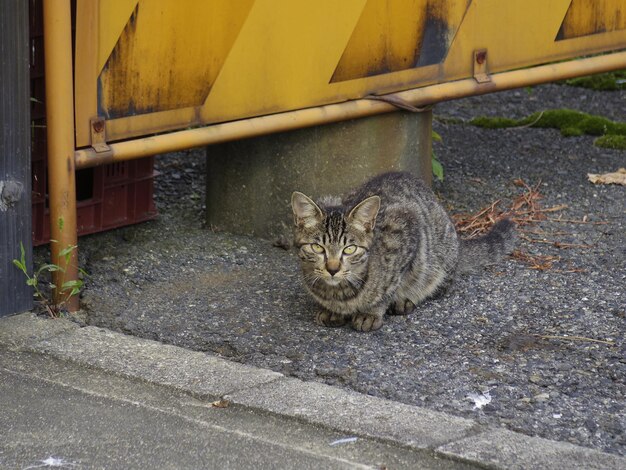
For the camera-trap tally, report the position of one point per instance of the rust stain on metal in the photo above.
(98, 125)
(443, 19)
(98, 135)
(394, 36)
(481, 73)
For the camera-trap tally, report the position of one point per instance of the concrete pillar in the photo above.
(249, 182)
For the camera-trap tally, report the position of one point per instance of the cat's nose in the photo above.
(333, 267)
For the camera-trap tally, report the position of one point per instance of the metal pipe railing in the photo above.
(60, 124)
(291, 120)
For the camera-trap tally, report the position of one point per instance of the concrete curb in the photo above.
(190, 371)
(210, 377)
(355, 413)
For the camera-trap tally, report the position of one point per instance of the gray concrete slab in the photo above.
(509, 450)
(194, 372)
(355, 412)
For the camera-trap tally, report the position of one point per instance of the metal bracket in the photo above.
(98, 136)
(481, 73)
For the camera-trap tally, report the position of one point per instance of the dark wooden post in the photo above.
(15, 184)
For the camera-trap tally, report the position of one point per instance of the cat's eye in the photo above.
(349, 250)
(317, 248)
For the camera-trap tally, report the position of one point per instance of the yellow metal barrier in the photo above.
(148, 66)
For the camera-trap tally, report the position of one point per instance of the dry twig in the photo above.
(576, 338)
(524, 210)
(572, 221)
(556, 244)
(537, 262)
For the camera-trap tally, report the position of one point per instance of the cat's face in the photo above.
(334, 246)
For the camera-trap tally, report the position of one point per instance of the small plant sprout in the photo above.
(67, 289)
(436, 164)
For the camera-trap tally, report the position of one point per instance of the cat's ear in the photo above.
(363, 216)
(305, 211)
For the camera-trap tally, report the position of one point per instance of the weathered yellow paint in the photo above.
(586, 17)
(528, 38)
(386, 39)
(148, 72)
(171, 64)
(112, 17)
(394, 36)
(306, 43)
(100, 26)
(520, 34)
(85, 69)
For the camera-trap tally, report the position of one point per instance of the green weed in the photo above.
(436, 164)
(67, 288)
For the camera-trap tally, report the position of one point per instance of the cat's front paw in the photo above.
(366, 322)
(401, 307)
(326, 318)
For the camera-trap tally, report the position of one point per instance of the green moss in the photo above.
(594, 125)
(571, 131)
(619, 128)
(611, 142)
(568, 121)
(494, 122)
(554, 118)
(601, 82)
(448, 120)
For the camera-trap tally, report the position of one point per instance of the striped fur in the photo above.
(384, 248)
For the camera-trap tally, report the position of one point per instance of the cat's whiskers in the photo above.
(313, 277)
(354, 279)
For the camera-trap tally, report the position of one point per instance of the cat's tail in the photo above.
(489, 248)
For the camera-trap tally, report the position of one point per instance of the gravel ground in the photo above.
(175, 281)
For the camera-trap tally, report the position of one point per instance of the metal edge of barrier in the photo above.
(290, 120)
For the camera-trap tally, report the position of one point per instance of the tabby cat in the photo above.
(384, 248)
